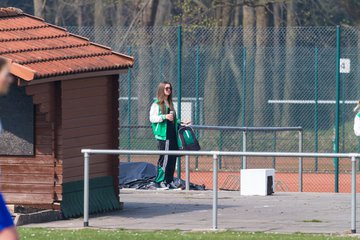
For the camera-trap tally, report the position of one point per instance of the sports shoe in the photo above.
(162, 186)
(172, 186)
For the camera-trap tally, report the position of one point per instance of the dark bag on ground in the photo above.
(188, 139)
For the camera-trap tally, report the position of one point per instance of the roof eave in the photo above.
(130, 58)
(23, 82)
(25, 73)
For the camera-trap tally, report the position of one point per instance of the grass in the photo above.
(45, 234)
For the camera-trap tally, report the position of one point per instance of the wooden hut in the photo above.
(67, 89)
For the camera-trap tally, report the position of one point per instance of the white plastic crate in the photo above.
(254, 182)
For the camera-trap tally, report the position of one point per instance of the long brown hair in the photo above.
(161, 97)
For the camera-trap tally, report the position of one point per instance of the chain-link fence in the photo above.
(281, 77)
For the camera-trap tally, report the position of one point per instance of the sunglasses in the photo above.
(168, 88)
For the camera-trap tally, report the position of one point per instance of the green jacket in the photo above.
(158, 121)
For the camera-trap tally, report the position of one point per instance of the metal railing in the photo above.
(215, 155)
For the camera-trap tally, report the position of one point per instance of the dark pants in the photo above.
(166, 169)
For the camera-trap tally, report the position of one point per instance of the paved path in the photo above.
(283, 212)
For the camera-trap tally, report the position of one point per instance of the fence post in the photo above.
(337, 109)
(187, 173)
(179, 66)
(342, 119)
(129, 107)
(86, 189)
(244, 150)
(215, 193)
(353, 194)
(300, 161)
(197, 103)
(316, 123)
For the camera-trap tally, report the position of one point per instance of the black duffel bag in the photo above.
(188, 139)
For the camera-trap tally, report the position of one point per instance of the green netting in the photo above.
(249, 77)
(102, 197)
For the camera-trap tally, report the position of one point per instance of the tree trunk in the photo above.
(145, 79)
(230, 71)
(212, 88)
(99, 16)
(163, 12)
(149, 14)
(99, 22)
(59, 17)
(249, 44)
(227, 13)
(261, 83)
(39, 8)
(278, 72)
(123, 17)
(79, 13)
(237, 15)
(215, 83)
(289, 111)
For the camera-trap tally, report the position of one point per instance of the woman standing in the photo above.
(165, 126)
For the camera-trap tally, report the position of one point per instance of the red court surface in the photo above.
(284, 182)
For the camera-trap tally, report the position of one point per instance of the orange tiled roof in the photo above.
(40, 50)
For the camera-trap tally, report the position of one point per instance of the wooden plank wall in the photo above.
(30, 180)
(69, 115)
(89, 120)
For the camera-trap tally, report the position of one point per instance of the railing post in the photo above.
(187, 173)
(300, 162)
(86, 189)
(353, 194)
(215, 193)
(244, 150)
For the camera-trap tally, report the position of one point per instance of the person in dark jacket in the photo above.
(7, 228)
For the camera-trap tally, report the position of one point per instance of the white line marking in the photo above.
(311, 101)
